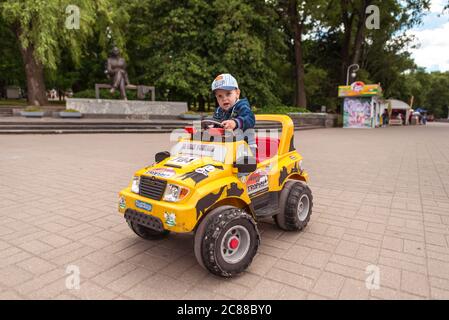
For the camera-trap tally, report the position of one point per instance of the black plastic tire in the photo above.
(220, 225)
(290, 217)
(147, 233)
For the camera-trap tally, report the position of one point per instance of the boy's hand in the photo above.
(229, 124)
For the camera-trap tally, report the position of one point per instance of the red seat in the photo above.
(266, 148)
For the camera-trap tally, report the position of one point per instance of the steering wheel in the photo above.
(204, 124)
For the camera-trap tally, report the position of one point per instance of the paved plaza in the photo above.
(379, 228)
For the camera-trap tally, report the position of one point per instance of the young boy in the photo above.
(233, 112)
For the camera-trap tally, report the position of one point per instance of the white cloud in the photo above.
(433, 53)
(437, 6)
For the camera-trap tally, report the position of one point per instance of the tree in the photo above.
(293, 52)
(299, 17)
(353, 14)
(381, 53)
(11, 70)
(43, 28)
(297, 28)
(249, 43)
(181, 46)
(438, 95)
(429, 90)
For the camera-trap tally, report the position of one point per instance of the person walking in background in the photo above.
(385, 118)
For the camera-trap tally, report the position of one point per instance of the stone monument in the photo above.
(116, 72)
(124, 108)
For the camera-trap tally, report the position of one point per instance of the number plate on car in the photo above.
(143, 205)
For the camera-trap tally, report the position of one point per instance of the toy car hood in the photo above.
(186, 170)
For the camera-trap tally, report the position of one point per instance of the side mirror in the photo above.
(246, 164)
(160, 156)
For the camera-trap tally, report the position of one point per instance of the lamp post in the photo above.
(353, 72)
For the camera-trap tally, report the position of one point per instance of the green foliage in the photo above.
(279, 109)
(11, 69)
(438, 96)
(32, 109)
(41, 24)
(316, 79)
(106, 94)
(180, 46)
(87, 94)
(12, 102)
(429, 91)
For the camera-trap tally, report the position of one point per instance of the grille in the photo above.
(152, 188)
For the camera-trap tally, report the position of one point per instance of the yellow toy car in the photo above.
(212, 185)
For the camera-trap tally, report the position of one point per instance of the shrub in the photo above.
(196, 112)
(190, 112)
(32, 109)
(88, 94)
(106, 94)
(279, 110)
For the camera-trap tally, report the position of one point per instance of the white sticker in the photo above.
(122, 203)
(205, 170)
(257, 182)
(182, 160)
(162, 172)
(243, 178)
(170, 219)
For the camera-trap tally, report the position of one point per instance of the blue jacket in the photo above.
(240, 112)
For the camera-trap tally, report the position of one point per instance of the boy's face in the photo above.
(227, 98)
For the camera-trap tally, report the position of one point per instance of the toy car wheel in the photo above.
(226, 241)
(296, 206)
(145, 232)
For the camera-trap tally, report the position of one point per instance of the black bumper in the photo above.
(145, 220)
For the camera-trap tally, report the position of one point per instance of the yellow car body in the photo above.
(207, 183)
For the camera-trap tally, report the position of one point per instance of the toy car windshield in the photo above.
(215, 151)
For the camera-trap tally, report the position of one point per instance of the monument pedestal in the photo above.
(141, 90)
(127, 108)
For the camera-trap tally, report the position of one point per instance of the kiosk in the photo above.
(362, 105)
(400, 112)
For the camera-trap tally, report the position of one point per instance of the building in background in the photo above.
(362, 105)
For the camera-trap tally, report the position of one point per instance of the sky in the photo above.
(433, 39)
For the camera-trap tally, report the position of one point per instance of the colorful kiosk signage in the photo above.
(362, 105)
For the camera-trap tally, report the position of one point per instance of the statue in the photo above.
(116, 70)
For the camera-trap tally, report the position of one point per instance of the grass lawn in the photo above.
(13, 103)
(23, 103)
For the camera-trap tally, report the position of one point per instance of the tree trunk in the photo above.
(36, 92)
(346, 48)
(2, 90)
(352, 48)
(201, 104)
(300, 92)
(360, 32)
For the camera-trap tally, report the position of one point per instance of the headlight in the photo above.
(135, 185)
(300, 165)
(174, 193)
